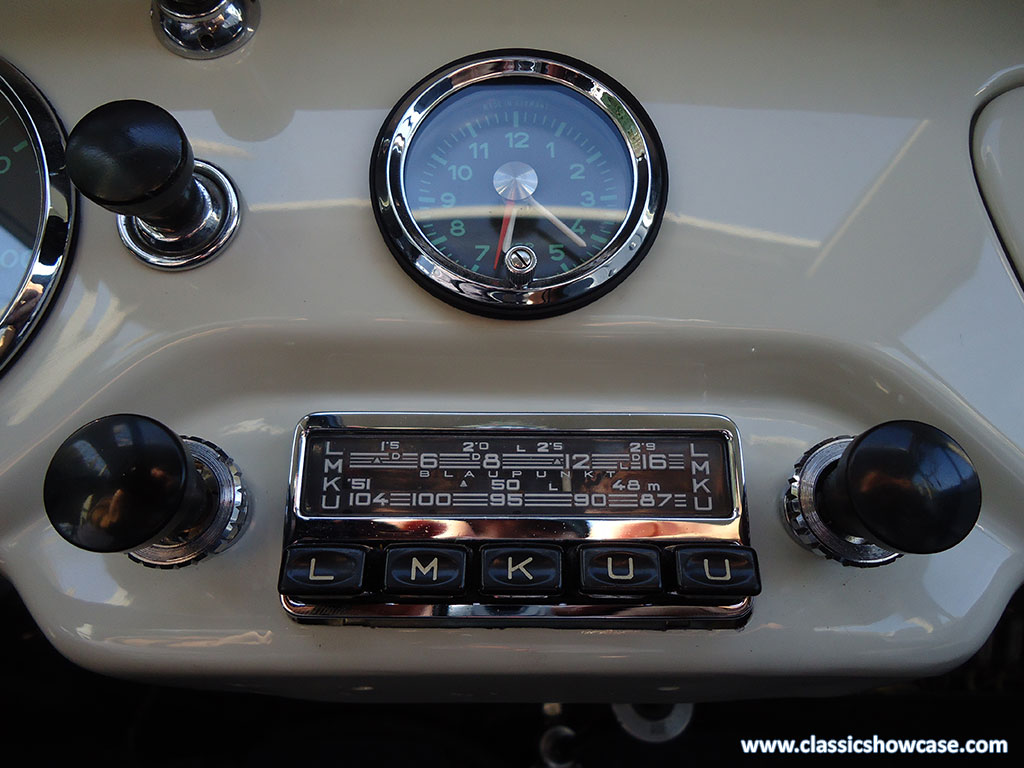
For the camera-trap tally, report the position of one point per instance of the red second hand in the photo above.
(509, 207)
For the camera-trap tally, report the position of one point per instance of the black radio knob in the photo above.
(900, 487)
(128, 483)
(904, 485)
(122, 482)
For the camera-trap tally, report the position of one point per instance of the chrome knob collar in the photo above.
(219, 527)
(173, 248)
(209, 30)
(805, 521)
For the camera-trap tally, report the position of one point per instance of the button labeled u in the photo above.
(620, 577)
(725, 577)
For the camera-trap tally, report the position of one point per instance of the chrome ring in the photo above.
(221, 528)
(805, 523)
(225, 28)
(188, 250)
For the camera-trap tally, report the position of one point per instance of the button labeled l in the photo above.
(317, 576)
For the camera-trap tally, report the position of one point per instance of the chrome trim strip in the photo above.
(562, 616)
(52, 249)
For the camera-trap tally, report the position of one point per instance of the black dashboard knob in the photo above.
(122, 482)
(133, 158)
(903, 485)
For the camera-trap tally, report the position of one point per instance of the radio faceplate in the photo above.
(549, 519)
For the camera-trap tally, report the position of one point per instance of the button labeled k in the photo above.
(520, 567)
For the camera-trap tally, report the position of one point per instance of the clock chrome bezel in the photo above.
(547, 296)
(52, 249)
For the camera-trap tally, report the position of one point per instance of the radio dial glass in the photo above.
(390, 474)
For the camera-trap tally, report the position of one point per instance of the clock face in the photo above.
(518, 184)
(518, 163)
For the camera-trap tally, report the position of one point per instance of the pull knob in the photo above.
(904, 485)
(899, 487)
(133, 158)
(129, 483)
(119, 483)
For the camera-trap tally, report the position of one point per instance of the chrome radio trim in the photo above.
(52, 249)
(565, 530)
(589, 616)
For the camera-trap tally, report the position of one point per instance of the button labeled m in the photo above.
(423, 570)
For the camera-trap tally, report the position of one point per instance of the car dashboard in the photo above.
(828, 244)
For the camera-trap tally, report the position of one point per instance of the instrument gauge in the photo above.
(518, 184)
(36, 209)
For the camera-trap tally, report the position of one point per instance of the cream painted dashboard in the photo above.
(826, 263)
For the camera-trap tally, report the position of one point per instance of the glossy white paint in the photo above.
(998, 147)
(826, 263)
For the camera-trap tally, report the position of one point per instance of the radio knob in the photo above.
(133, 158)
(900, 487)
(129, 483)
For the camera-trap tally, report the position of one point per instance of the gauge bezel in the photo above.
(52, 249)
(546, 296)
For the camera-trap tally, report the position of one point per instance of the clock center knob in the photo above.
(515, 180)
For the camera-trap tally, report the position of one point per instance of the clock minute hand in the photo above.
(561, 225)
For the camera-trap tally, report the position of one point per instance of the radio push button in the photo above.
(615, 570)
(531, 570)
(322, 571)
(425, 570)
(717, 571)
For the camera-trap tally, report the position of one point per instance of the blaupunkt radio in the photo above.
(477, 519)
